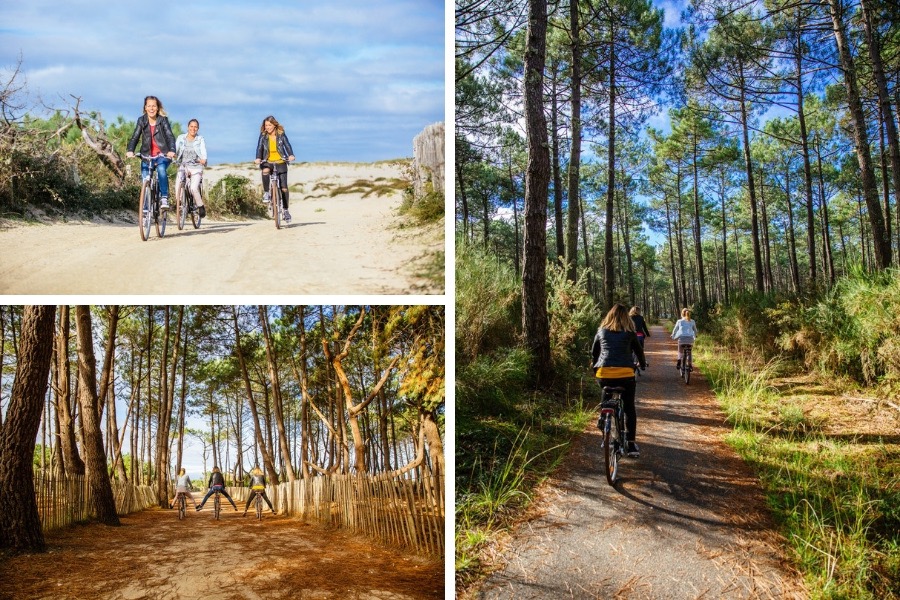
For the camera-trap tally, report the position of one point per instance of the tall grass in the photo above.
(509, 437)
(835, 499)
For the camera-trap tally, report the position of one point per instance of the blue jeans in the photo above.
(162, 163)
(212, 491)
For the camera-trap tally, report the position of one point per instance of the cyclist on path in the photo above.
(216, 484)
(156, 136)
(611, 355)
(273, 151)
(190, 150)
(257, 483)
(685, 331)
(640, 325)
(183, 486)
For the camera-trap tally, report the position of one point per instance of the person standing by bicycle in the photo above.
(611, 355)
(190, 151)
(273, 151)
(157, 139)
(183, 486)
(257, 484)
(685, 331)
(216, 484)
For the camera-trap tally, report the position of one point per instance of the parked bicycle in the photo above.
(687, 362)
(276, 207)
(612, 427)
(185, 204)
(149, 211)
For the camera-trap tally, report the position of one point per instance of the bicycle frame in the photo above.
(276, 210)
(149, 203)
(186, 203)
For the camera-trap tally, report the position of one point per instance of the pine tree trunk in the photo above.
(73, 465)
(535, 322)
(103, 503)
(276, 392)
(20, 524)
(575, 154)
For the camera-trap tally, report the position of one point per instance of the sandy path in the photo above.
(347, 244)
(153, 555)
(686, 520)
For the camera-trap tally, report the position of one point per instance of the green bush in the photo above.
(487, 304)
(573, 319)
(233, 194)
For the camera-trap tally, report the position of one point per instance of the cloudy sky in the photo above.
(351, 80)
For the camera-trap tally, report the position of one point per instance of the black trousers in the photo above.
(252, 497)
(627, 400)
(281, 170)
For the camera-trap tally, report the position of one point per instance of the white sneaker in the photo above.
(267, 198)
(164, 203)
(287, 216)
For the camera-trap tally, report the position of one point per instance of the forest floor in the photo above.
(686, 520)
(154, 555)
(346, 237)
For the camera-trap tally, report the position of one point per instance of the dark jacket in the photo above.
(281, 142)
(257, 480)
(162, 134)
(640, 325)
(216, 479)
(614, 348)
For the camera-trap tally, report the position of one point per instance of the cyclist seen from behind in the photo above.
(257, 484)
(640, 325)
(685, 331)
(216, 484)
(183, 486)
(611, 355)
(273, 151)
(190, 151)
(157, 139)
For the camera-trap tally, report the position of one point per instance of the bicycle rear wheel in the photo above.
(259, 507)
(610, 456)
(182, 505)
(162, 216)
(145, 210)
(195, 211)
(217, 507)
(687, 367)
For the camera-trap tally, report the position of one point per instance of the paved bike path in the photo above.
(686, 520)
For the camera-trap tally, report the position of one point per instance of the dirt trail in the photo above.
(350, 243)
(686, 520)
(153, 555)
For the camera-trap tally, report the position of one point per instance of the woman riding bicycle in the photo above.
(183, 486)
(685, 331)
(640, 325)
(257, 485)
(156, 140)
(273, 151)
(216, 484)
(611, 355)
(190, 149)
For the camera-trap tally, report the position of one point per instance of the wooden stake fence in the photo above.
(402, 512)
(66, 500)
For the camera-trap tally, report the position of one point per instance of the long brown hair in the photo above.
(278, 128)
(161, 112)
(617, 319)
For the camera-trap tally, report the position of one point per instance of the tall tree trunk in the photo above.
(880, 241)
(609, 252)
(20, 524)
(751, 187)
(575, 154)
(792, 241)
(725, 283)
(71, 459)
(535, 322)
(698, 246)
(874, 43)
(557, 176)
(462, 196)
(515, 207)
(804, 143)
(103, 503)
(276, 395)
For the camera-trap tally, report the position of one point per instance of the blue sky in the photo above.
(350, 80)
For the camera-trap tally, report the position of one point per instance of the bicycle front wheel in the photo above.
(610, 456)
(181, 208)
(195, 213)
(161, 217)
(688, 366)
(276, 206)
(145, 210)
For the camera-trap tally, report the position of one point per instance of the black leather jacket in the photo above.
(216, 479)
(281, 142)
(162, 134)
(614, 348)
